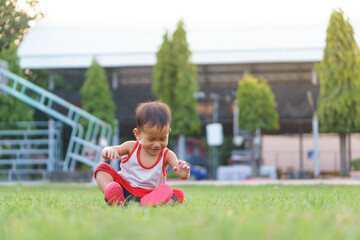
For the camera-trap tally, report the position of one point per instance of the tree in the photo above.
(163, 72)
(257, 110)
(13, 110)
(174, 81)
(339, 75)
(15, 21)
(96, 97)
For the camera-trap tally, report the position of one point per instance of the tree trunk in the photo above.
(254, 165)
(260, 161)
(343, 165)
(349, 152)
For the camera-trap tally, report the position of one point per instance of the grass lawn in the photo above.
(60, 211)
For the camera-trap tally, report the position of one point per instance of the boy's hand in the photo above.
(109, 153)
(182, 169)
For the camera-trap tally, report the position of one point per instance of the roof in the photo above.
(51, 45)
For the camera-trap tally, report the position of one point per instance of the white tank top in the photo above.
(139, 176)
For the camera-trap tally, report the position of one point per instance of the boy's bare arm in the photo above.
(114, 152)
(180, 167)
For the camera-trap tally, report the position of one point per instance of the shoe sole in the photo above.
(161, 194)
(114, 194)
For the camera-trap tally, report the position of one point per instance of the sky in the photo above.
(201, 13)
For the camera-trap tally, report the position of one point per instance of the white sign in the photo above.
(214, 134)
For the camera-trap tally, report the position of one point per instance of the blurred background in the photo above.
(119, 48)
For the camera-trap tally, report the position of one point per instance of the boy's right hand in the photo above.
(109, 153)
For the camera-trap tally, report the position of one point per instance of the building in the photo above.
(282, 55)
(285, 56)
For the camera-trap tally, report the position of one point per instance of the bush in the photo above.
(355, 164)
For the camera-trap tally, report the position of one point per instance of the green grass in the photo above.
(59, 211)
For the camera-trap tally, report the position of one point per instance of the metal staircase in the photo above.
(84, 144)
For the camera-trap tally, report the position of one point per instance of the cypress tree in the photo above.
(339, 74)
(96, 97)
(174, 81)
(163, 72)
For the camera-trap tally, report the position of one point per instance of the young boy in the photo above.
(142, 177)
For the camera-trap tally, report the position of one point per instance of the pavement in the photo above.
(257, 182)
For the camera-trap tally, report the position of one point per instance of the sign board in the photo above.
(214, 134)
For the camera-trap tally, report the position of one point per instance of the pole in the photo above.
(301, 170)
(215, 148)
(315, 126)
(315, 129)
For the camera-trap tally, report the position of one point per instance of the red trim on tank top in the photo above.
(125, 159)
(136, 191)
(165, 171)
(157, 161)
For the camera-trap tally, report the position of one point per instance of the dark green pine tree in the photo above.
(13, 110)
(257, 110)
(164, 72)
(338, 104)
(96, 97)
(174, 82)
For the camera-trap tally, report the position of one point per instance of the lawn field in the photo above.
(61, 211)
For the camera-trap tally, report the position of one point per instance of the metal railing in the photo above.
(29, 150)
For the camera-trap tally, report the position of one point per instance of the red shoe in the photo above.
(114, 194)
(179, 194)
(161, 194)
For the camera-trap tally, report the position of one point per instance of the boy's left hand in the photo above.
(182, 169)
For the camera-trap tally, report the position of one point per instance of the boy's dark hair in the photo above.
(152, 114)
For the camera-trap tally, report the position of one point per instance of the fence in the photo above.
(285, 161)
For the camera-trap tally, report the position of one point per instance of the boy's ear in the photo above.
(136, 133)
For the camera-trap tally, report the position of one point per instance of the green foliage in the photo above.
(163, 72)
(257, 106)
(15, 22)
(62, 83)
(96, 97)
(45, 211)
(13, 110)
(41, 78)
(339, 73)
(355, 164)
(225, 150)
(174, 82)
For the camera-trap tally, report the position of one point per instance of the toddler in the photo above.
(142, 177)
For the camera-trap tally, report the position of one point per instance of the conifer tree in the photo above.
(257, 110)
(338, 105)
(13, 110)
(96, 97)
(174, 81)
(163, 72)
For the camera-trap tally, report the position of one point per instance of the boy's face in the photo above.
(153, 139)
